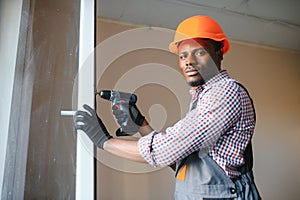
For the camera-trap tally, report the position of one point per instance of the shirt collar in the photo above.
(194, 91)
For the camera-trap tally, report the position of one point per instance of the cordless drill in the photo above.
(122, 97)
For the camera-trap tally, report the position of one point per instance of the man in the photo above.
(211, 145)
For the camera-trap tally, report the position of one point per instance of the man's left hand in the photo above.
(92, 125)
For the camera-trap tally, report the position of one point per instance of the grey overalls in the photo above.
(205, 179)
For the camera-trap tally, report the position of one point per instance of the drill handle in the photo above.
(121, 101)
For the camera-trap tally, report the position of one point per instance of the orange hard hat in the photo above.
(199, 27)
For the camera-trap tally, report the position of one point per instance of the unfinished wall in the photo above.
(10, 17)
(40, 158)
(51, 158)
(272, 77)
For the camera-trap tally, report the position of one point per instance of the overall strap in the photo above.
(183, 161)
(248, 154)
(251, 100)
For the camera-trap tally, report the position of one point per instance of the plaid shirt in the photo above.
(222, 121)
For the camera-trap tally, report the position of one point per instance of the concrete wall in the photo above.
(40, 157)
(10, 17)
(51, 160)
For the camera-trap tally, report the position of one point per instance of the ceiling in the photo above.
(274, 23)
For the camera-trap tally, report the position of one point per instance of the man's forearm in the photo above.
(124, 148)
(127, 148)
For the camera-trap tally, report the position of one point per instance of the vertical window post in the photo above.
(85, 155)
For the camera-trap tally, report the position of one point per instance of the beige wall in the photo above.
(272, 77)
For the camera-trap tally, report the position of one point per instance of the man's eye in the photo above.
(200, 53)
(182, 57)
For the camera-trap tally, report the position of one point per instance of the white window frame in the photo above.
(85, 168)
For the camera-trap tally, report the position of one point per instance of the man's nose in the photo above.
(190, 61)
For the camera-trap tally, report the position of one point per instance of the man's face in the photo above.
(197, 61)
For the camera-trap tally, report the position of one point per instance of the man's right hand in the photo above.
(132, 115)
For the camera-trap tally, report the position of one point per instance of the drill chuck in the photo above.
(112, 95)
(105, 94)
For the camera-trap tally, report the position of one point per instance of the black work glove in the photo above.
(92, 125)
(129, 118)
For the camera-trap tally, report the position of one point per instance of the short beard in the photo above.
(196, 83)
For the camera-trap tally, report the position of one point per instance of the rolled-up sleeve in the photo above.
(216, 111)
(146, 149)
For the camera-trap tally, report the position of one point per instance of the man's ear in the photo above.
(219, 58)
(219, 54)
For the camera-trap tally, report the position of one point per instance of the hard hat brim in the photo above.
(173, 46)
